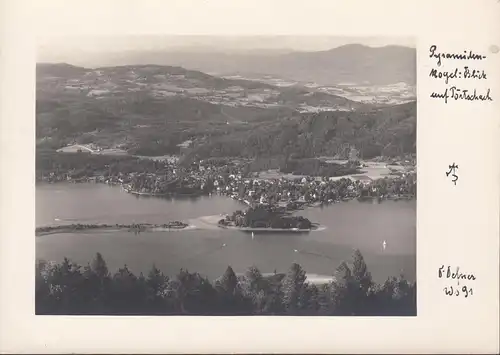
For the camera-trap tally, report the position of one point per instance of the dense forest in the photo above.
(88, 165)
(68, 288)
(389, 131)
(265, 217)
(316, 167)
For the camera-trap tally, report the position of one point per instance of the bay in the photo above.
(347, 226)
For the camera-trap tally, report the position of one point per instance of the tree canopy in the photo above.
(67, 288)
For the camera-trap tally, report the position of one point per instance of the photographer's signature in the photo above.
(449, 273)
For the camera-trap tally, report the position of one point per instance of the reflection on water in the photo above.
(348, 225)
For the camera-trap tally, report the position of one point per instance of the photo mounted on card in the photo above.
(204, 170)
(216, 175)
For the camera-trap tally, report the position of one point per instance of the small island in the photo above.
(135, 227)
(266, 218)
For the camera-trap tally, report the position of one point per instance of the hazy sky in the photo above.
(117, 25)
(96, 44)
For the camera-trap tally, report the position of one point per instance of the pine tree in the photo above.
(43, 298)
(124, 291)
(254, 289)
(157, 283)
(325, 299)
(193, 294)
(313, 299)
(230, 298)
(99, 267)
(294, 289)
(228, 282)
(360, 272)
(273, 300)
(341, 290)
(254, 279)
(68, 279)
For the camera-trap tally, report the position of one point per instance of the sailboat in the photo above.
(384, 245)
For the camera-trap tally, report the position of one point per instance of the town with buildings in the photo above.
(374, 181)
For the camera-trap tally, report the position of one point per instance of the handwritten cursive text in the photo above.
(465, 291)
(466, 73)
(457, 94)
(466, 55)
(448, 273)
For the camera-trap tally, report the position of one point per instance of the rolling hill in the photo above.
(150, 109)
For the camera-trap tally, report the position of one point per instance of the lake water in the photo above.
(348, 225)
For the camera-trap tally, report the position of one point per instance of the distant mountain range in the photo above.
(353, 64)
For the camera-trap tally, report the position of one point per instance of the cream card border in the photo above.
(456, 225)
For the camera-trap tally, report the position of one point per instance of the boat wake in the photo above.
(73, 219)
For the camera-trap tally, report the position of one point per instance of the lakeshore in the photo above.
(235, 178)
(200, 223)
(197, 247)
(96, 228)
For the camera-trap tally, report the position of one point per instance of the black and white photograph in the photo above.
(226, 176)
